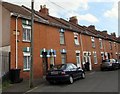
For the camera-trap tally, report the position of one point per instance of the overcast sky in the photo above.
(101, 13)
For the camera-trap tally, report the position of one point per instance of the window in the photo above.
(101, 45)
(110, 43)
(115, 44)
(62, 39)
(93, 42)
(27, 60)
(95, 57)
(52, 59)
(76, 40)
(63, 57)
(26, 33)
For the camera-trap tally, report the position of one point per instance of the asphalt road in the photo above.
(97, 81)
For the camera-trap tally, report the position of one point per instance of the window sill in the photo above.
(26, 41)
(63, 44)
(26, 70)
(93, 47)
(77, 45)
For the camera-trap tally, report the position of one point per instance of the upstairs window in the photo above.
(101, 45)
(26, 34)
(62, 36)
(115, 44)
(26, 30)
(76, 39)
(93, 42)
(110, 43)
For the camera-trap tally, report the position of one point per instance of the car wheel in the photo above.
(83, 75)
(70, 79)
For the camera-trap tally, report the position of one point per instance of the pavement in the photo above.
(23, 86)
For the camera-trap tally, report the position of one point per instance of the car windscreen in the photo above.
(59, 67)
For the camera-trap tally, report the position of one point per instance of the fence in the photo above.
(5, 63)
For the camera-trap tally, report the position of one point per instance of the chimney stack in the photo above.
(44, 10)
(105, 31)
(73, 20)
(92, 27)
(113, 34)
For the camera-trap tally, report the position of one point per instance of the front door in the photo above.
(87, 60)
(45, 63)
(78, 59)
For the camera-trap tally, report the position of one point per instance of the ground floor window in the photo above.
(95, 58)
(78, 59)
(63, 57)
(52, 61)
(26, 62)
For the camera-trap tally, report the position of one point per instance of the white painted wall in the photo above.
(5, 27)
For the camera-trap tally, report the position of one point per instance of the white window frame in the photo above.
(101, 44)
(62, 38)
(26, 54)
(114, 44)
(76, 40)
(78, 57)
(26, 27)
(103, 55)
(110, 44)
(63, 54)
(93, 42)
(95, 57)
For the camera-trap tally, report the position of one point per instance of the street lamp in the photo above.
(31, 44)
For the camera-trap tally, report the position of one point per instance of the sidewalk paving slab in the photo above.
(23, 86)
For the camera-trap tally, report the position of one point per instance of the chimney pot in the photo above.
(113, 34)
(44, 10)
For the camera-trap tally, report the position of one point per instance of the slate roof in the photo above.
(58, 22)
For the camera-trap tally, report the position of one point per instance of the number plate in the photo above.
(54, 72)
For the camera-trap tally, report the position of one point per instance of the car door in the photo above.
(70, 70)
(77, 71)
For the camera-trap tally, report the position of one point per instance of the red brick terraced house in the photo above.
(56, 41)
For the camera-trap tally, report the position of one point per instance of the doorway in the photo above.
(78, 60)
(45, 63)
(87, 59)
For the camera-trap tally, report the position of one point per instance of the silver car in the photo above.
(108, 64)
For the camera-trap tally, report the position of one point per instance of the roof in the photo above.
(58, 22)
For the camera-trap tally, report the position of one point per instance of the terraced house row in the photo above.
(56, 41)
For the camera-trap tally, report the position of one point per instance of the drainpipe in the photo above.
(82, 48)
(16, 66)
(105, 48)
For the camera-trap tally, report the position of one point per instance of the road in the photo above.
(97, 81)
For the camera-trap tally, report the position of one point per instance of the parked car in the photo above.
(118, 63)
(115, 64)
(109, 64)
(64, 73)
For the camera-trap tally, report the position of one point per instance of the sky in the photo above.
(101, 13)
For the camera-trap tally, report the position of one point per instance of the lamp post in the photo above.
(32, 44)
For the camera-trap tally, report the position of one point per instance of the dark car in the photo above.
(64, 73)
